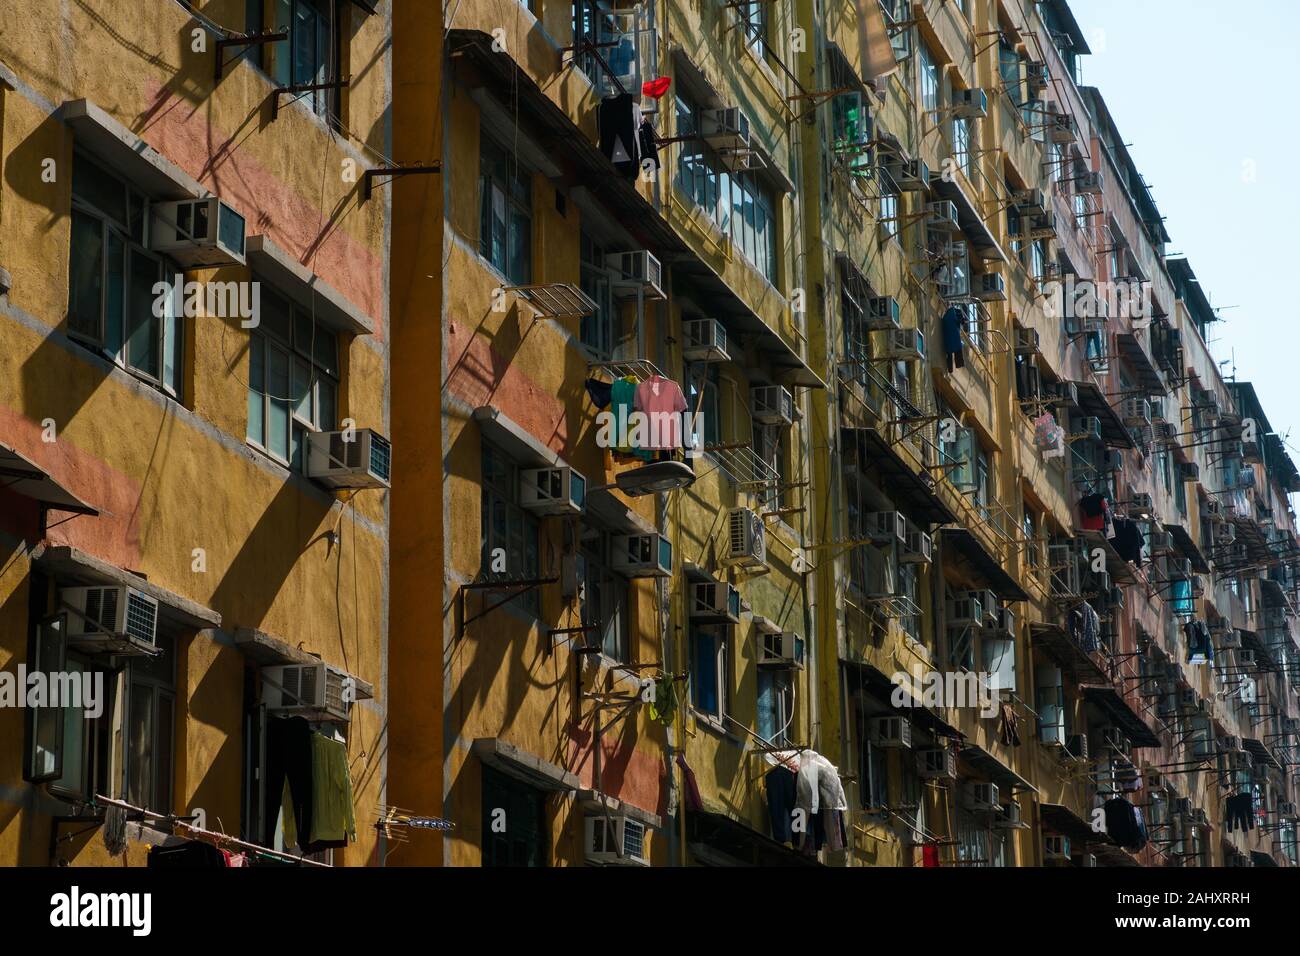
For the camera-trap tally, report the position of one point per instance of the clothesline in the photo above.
(207, 836)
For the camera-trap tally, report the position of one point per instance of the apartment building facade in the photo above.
(193, 332)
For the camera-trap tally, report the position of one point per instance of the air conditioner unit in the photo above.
(725, 128)
(121, 611)
(910, 175)
(1198, 817)
(992, 608)
(1076, 747)
(1115, 598)
(1030, 202)
(1036, 78)
(1115, 739)
(1188, 698)
(993, 288)
(1062, 128)
(714, 602)
(1153, 780)
(1143, 503)
(942, 216)
(1056, 847)
(1180, 806)
(704, 340)
(892, 733)
(883, 313)
(937, 763)
(553, 491)
(970, 104)
(1006, 621)
(1157, 410)
(1088, 861)
(1166, 431)
(615, 839)
(1291, 725)
(785, 649)
(917, 549)
(1089, 183)
(308, 689)
(1043, 226)
(1090, 427)
(904, 345)
(771, 405)
(1231, 639)
(1137, 411)
(356, 458)
(886, 527)
(746, 539)
(642, 555)
(1066, 393)
(1008, 817)
(1027, 341)
(633, 272)
(1246, 657)
(981, 796)
(1162, 542)
(966, 609)
(1229, 743)
(1189, 471)
(198, 232)
(1114, 460)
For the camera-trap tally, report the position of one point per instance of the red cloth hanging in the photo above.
(657, 87)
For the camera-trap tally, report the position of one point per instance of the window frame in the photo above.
(503, 493)
(506, 182)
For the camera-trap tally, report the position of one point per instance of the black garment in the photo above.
(648, 142)
(1240, 809)
(1128, 540)
(952, 341)
(1093, 505)
(600, 392)
(619, 138)
(288, 756)
(1124, 824)
(189, 855)
(780, 786)
(1198, 639)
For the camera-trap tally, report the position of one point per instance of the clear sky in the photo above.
(1206, 95)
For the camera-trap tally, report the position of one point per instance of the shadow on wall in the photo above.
(267, 555)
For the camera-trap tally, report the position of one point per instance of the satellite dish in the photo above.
(660, 476)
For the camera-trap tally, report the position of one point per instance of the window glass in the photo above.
(505, 212)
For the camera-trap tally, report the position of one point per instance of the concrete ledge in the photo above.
(293, 279)
(127, 154)
(522, 765)
(269, 651)
(593, 801)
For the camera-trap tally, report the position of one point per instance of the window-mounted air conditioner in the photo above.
(553, 491)
(1198, 817)
(1229, 743)
(1090, 182)
(1027, 341)
(714, 602)
(1076, 747)
(771, 405)
(1189, 471)
(970, 104)
(1007, 817)
(704, 340)
(1162, 542)
(1286, 808)
(1005, 622)
(1043, 226)
(746, 539)
(726, 128)
(1030, 202)
(1246, 657)
(1180, 806)
(642, 555)
(309, 689)
(1066, 393)
(1153, 780)
(1056, 847)
(1090, 427)
(1157, 411)
(1230, 640)
(981, 796)
(993, 288)
(1062, 128)
(1036, 78)
(1166, 431)
(1115, 598)
(1188, 698)
(1114, 738)
(631, 272)
(917, 549)
(121, 611)
(883, 313)
(355, 458)
(910, 175)
(198, 232)
(936, 763)
(942, 216)
(784, 649)
(892, 733)
(615, 839)
(966, 609)
(1142, 502)
(1291, 725)
(1137, 411)
(906, 345)
(886, 527)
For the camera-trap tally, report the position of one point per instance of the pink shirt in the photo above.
(663, 403)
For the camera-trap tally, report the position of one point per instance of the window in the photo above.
(112, 277)
(46, 728)
(753, 18)
(309, 56)
(908, 587)
(514, 822)
(598, 331)
(889, 206)
(604, 600)
(150, 719)
(505, 212)
(708, 404)
(929, 80)
(775, 697)
(710, 671)
(740, 204)
(615, 34)
(875, 769)
(1009, 67)
(851, 132)
(292, 379)
(505, 525)
(769, 446)
(961, 146)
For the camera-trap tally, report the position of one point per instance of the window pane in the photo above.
(325, 415)
(115, 294)
(74, 742)
(704, 673)
(139, 747)
(164, 745)
(173, 327)
(277, 384)
(301, 394)
(93, 185)
(144, 329)
(256, 393)
(85, 275)
(521, 238)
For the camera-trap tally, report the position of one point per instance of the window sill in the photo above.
(113, 365)
(715, 726)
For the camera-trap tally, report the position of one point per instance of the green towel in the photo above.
(664, 707)
(332, 818)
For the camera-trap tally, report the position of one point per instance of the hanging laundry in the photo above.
(619, 119)
(1124, 823)
(929, 855)
(622, 400)
(1128, 540)
(188, 855)
(654, 89)
(953, 345)
(664, 706)
(780, 787)
(1089, 635)
(1240, 812)
(648, 143)
(1008, 725)
(1200, 649)
(333, 823)
(599, 392)
(692, 789)
(1094, 509)
(662, 402)
(1047, 434)
(289, 773)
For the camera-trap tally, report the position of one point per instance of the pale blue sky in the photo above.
(1199, 88)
